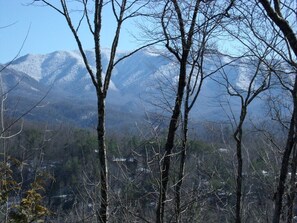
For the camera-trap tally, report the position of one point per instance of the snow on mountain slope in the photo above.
(145, 78)
(31, 65)
(66, 71)
(15, 82)
(58, 66)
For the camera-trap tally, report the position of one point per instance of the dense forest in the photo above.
(58, 164)
(171, 167)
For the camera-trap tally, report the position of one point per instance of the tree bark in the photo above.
(181, 167)
(186, 44)
(292, 190)
(170, 140)
(291, 141)
(102, 216)
(238, 139)
(275, 15)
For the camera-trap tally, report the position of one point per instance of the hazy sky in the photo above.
(47, 30)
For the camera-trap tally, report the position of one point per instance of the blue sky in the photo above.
(47, 31)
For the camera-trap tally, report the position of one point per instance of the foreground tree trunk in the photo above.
(292, 186)
(181, 171)
(238, 138)
(180, 26)
(291, 142)
(102, 216)
(170, 143)
(194, 83)
(186, 43)
(274, 13)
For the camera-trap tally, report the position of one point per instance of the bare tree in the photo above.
(271, 24)
(259, 81)
(198, 73)
(282, 14)
(122, 11)
(180, 23)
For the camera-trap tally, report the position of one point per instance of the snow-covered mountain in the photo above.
(66, 71)
(141, 82)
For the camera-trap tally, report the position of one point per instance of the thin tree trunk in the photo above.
(291, 140)
(292, 191)
(238, 180)
(182, 54)
(283, 175)
(102, 216)
(238, 139)
(273, 11)
(186, 43)
(170, 142)
(181, 167)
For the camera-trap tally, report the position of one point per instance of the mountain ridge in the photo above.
(138, 83)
